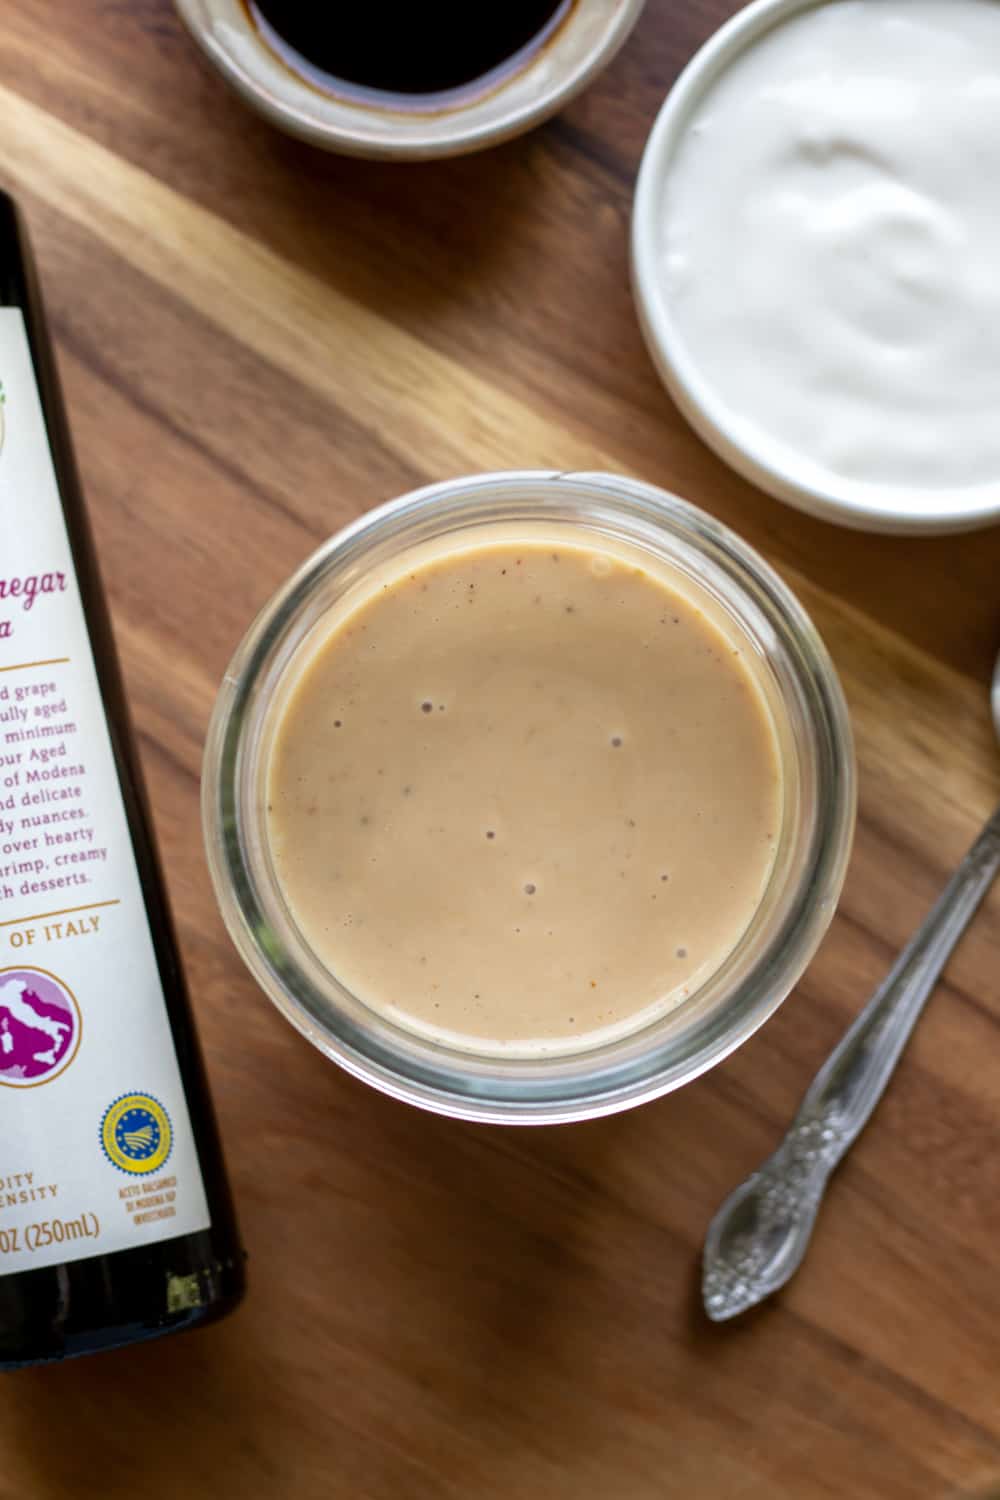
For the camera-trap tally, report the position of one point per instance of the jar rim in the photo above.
(647, 1062)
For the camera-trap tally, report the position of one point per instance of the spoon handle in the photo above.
(854, 1076)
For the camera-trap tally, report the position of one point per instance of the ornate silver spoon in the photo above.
(758, 1238)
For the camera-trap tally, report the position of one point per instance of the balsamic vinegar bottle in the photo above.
(115, 1217)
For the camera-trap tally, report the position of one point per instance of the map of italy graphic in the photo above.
(34, 1032)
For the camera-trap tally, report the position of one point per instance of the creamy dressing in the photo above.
(525, 797)
(830, 244)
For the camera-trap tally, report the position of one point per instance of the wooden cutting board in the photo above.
(258, 343)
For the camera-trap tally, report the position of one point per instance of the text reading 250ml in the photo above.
(49, 1232)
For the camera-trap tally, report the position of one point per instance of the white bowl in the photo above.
(866, 507)
(584, 43)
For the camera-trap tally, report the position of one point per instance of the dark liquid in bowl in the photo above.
(408, 54)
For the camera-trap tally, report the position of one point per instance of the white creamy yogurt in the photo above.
(827, 248)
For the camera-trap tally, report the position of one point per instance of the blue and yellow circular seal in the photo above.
(136, 1134)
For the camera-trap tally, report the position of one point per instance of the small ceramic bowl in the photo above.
(583, 43)
(865, 506)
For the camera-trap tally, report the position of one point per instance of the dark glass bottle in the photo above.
(116, 1222)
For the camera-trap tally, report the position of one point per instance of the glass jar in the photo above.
(813, 733)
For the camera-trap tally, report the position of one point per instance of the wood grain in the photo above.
(258, 343)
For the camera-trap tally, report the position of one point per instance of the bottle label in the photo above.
(97, 1152)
